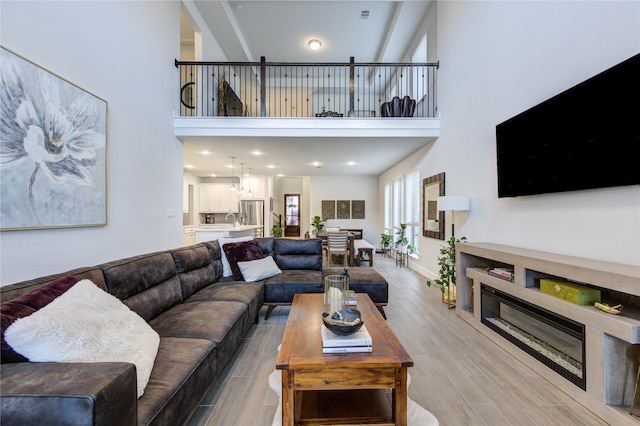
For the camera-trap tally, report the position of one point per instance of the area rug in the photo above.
(416, 414)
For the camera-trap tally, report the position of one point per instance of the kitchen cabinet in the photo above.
(256, 183)
(217, 198)
(210, 233)
(189, 236)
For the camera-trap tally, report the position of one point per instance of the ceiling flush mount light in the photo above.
(314, 44)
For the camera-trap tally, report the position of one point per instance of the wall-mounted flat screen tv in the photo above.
(585, 137)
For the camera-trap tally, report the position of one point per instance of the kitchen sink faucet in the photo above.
(233, 215)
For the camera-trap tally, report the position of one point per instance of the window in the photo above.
(402, 205)
(398, 204)
(412, 207)
(388, 203)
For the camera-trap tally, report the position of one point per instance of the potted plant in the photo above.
(402, 243)
(276, 232)
(318, 223)
(446, 280)
(385, 240)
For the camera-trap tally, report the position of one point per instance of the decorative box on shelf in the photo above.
(569, 291)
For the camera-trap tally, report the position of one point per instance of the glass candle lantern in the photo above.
(336, 292)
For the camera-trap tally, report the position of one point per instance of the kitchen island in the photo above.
(213, 232)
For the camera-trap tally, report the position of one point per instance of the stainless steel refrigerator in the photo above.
(252, 213)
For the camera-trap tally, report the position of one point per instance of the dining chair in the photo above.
(337, 245)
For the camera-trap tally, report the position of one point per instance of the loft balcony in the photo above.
(296, 99)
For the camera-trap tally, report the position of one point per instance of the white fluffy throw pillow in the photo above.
(256, 270)
(86, 324)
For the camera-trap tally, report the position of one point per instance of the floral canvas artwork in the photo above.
(53, 150)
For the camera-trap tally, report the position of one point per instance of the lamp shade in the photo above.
(456, 203)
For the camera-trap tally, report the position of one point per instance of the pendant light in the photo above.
(233, 175)
(250, 193)
(242, 191)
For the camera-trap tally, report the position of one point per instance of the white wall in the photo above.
(349, 188)
(122, 52)
(498, 59)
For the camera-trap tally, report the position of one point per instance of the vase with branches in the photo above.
(446, 280)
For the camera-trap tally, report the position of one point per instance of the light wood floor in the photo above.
(458, 375)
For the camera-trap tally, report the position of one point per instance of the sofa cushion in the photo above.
(281, 288)
(199, 320)
(26, 305)
(364, 280)
(241, 252)
(86, 324)
(11, 291)
(235, 291)
(256, 270)
(183, 371)
(301, 254)
(62, 393)
(226, 267)
(148, 284)
(266, 244)
(223, 322)
(195, 268)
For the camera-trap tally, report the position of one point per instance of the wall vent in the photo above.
(364, 14)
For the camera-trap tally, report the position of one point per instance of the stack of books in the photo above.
(360, 341)
(504, 273)
(352, 299)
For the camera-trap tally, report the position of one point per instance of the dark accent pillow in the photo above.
(24, 306)
(241, 252)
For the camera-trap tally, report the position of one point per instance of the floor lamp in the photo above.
(453, 203)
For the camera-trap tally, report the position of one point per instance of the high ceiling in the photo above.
(371, 31)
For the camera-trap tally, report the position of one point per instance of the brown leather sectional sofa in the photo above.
(200, 317)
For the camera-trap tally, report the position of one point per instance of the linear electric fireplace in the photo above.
(556, 341)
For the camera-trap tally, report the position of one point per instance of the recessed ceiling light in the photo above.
(351, 163)
(271, 166)
(213, 175)
(314, 44)
(256, 153)
(205, 152)
(316, 164)
(189, 166)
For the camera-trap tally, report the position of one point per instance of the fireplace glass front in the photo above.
(556, 341)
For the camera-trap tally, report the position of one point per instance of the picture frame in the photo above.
(54, 137)
(328, 209)
(343, 209)
(432, 218)
(357, 209)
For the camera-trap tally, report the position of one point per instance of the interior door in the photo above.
(292, 214)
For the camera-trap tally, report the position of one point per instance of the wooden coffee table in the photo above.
(346, 388)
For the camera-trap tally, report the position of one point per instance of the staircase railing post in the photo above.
(352, 69)
(263, 89)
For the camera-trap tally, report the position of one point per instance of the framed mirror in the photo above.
(432, 219)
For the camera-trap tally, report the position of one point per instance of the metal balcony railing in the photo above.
(280, 89)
